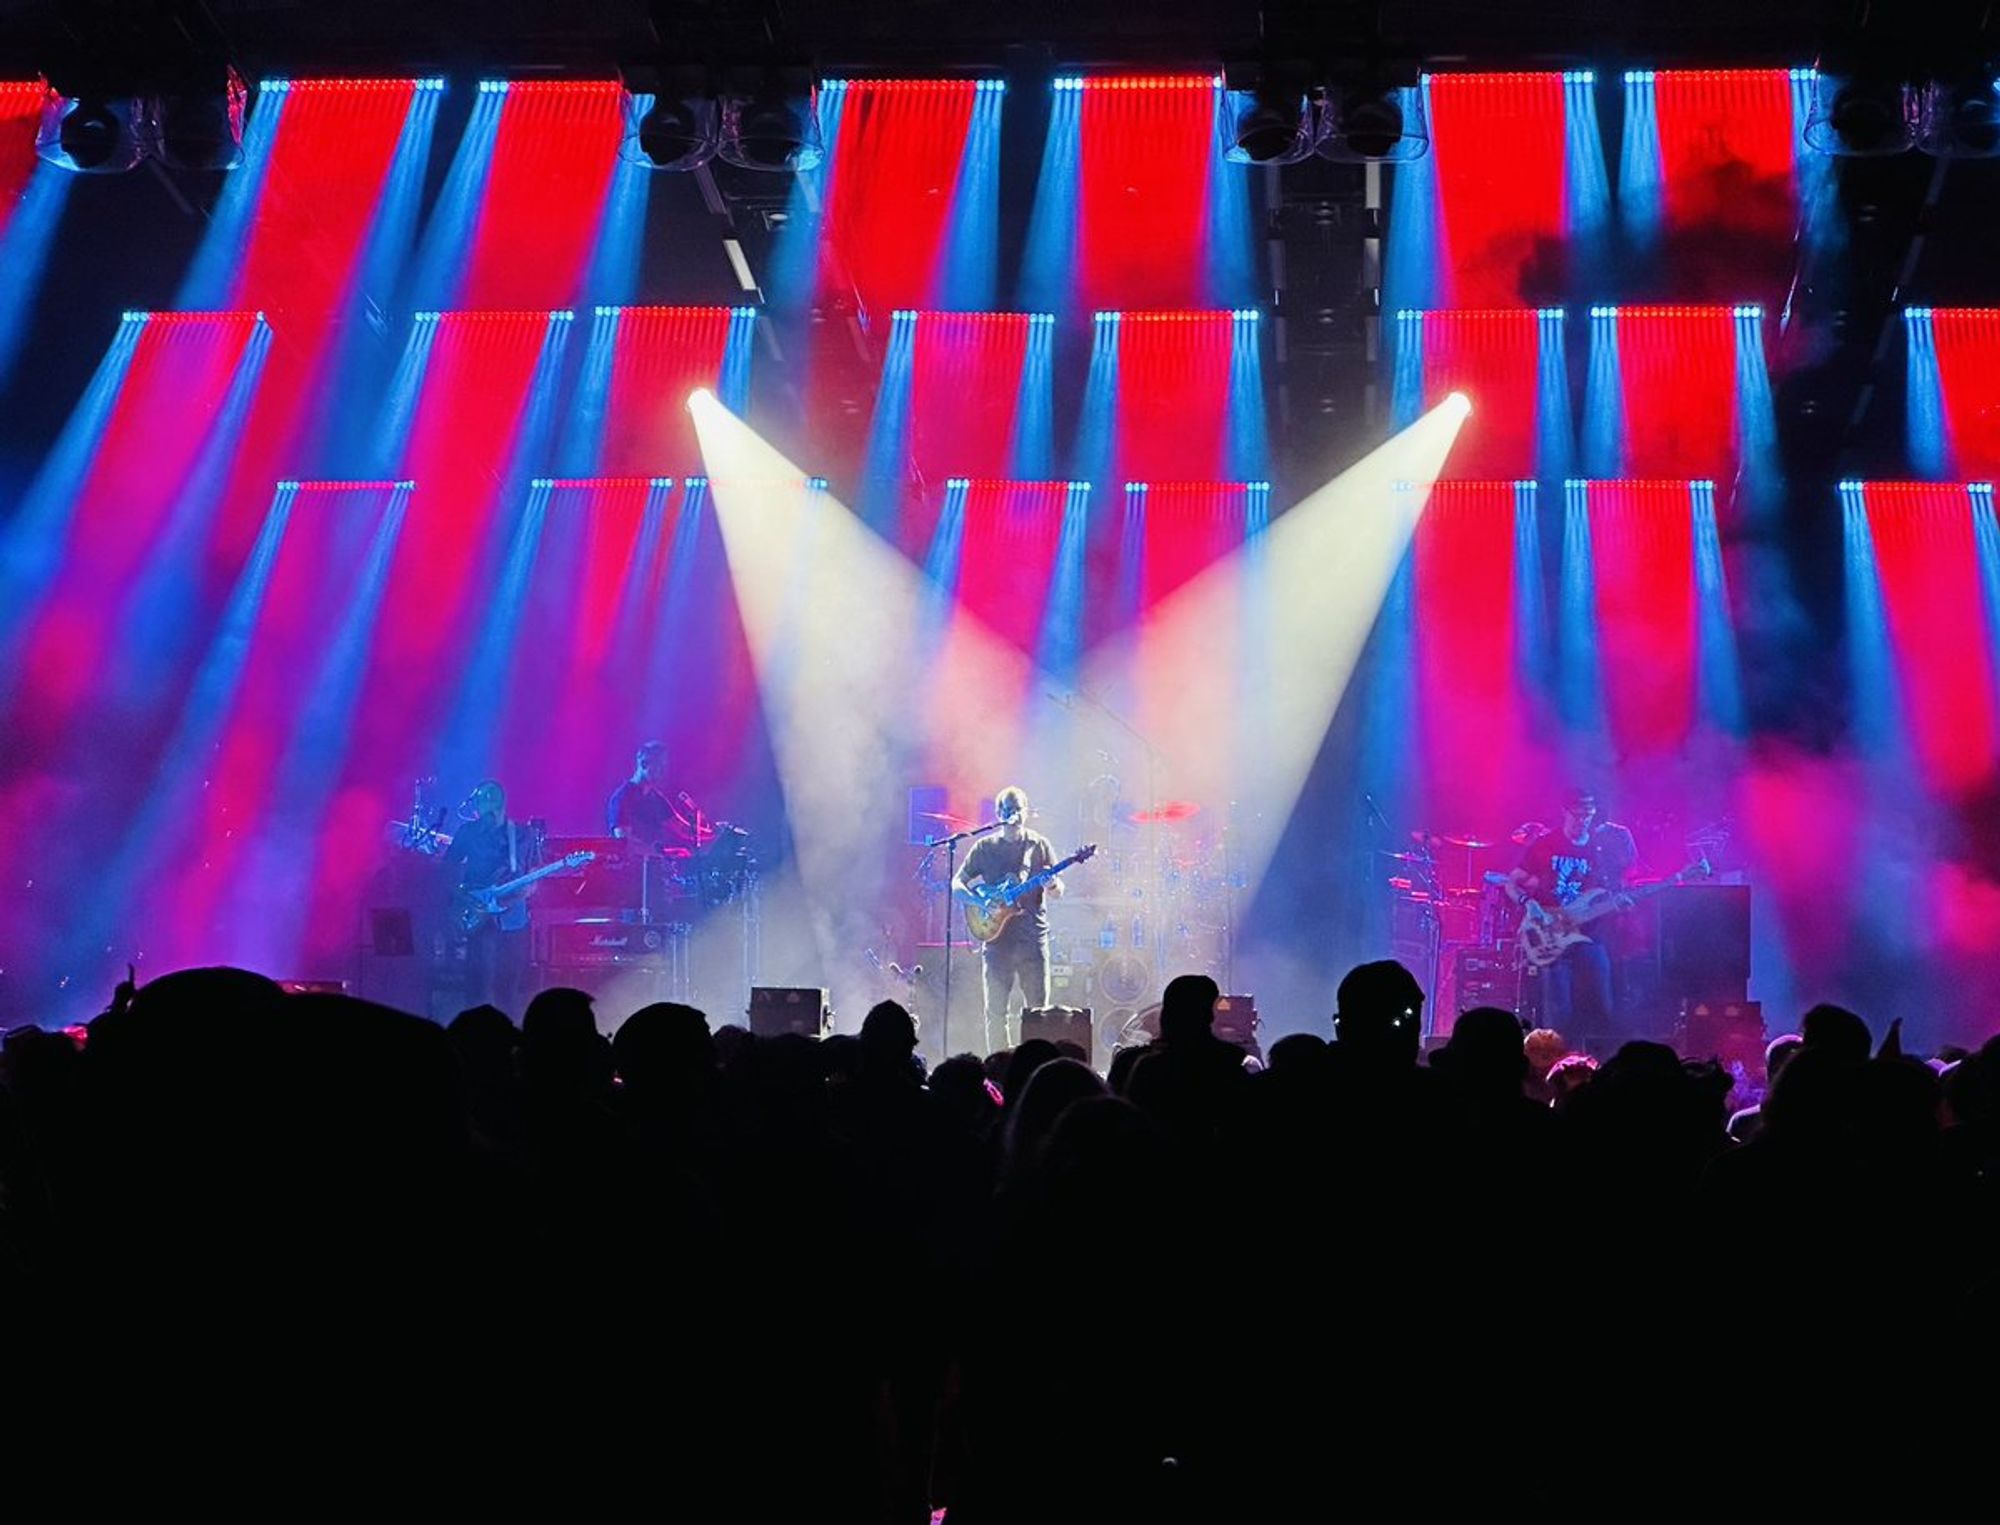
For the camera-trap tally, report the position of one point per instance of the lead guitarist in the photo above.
(1583, 853)
(1021, 951)
(491, 848)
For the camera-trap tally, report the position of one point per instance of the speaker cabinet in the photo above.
(779, 1009)
(1061, 1024)
(1705, 942)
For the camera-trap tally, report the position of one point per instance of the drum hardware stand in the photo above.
(753, 932)
(1068, 699)
(680, 976)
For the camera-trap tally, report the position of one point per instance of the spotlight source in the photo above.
(202, 129)
(1460, 404)
(1271, 118)
(91, 134)
(770, 121)
(1961, 118)
(673, 119)
(676, 133)
(1363, 124)
(1862, 116)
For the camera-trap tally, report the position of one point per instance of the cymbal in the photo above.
(1409, 857)
(1172, 810)
(1474, 842)
(958, 821)
(1529, 831)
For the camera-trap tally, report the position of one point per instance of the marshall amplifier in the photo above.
(586, 944)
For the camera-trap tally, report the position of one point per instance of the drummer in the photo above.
(642, 811)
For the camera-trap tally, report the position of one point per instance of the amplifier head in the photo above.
(584, 943)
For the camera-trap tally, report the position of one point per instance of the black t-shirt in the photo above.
(482, 847)
(643, 814)
(995, 858)
(1562, 869)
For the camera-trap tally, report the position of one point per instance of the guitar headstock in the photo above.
(579, 858)
(1707, 839)
(1701, 868)
(1084, 853)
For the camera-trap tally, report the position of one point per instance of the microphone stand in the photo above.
(950, 846)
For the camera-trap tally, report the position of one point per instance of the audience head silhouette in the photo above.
(1380, 1014)
(1187, 1009)
(664, 1044)
(1485, 1051)
(1836, 1030)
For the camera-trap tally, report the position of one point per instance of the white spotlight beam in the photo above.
(864, 679)
(1235, 677)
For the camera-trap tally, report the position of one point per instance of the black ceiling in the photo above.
(302, 36)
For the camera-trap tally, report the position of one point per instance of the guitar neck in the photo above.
(533, 876)
(1041, 877)
(1665, 884)
(1056, 868)
(1640, 892)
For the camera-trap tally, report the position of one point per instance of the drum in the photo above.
(719, 868)
(1126, 1028)
(1460, 916)
(1123, 979)
(1196, 947)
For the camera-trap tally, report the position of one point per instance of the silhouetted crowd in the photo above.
(304, 1253)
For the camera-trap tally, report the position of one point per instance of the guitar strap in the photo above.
(513, 852)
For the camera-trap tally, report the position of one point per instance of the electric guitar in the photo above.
(476, 905)
(1548, 932)
(999, 903)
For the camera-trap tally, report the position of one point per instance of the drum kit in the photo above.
(1164, 902)
(671, 882)
(1451, 919)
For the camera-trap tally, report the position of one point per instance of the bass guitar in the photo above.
(476, 905)
(999, 903)
(1548, 932)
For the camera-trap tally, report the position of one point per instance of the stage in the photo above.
(1296, 534)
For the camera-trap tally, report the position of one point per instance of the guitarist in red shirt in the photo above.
(1021, 950)
(1584, 853)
